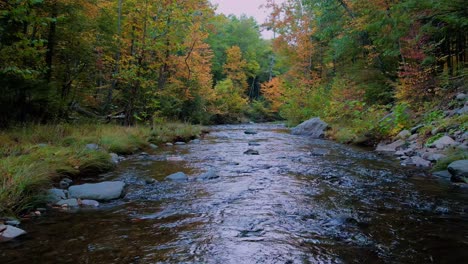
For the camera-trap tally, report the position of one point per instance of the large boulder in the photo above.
(444, 142)
(314, 128)
(97, 191)
(8, 232)
(459, 171)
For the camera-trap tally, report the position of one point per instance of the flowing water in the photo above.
(299, 201)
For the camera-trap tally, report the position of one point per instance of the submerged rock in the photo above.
(178, 176)
(314, 128)
(250, 132)
(459, 171)
(251, 152)
(8, 232)
(253, 143)
(97, 191)
(209, 175)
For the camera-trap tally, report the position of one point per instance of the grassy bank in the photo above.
(33, 157)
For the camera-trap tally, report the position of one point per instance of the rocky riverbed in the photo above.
(264, 196)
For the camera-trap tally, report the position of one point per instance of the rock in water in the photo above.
(251, 152)
(8, 232)
(250, 132)
(97, 191)
(209, 175)
(54, 195)
(313, 127)
(178, 176)
(459, 171)
(90, 203)
(68, 202)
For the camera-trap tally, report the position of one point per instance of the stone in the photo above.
(314, 128)
(318, 152)
(8, 232)
(416, 128)
(178, 176)
(443, 142)
(433, 156)
(390, 147)
(169, 144)
(115, 159)
(92, 146)
(460, 97)
(68, 202)
(195, 141)
(442, 174)
(90, 203)
(54, 195)
(180, 143)
(102, 191)
(250, 132)
(153, 146)
(413, 137)
(404, 134)
(419, 162)
(12, 222)
(209, 175)
(149, 180)
(65, 183)
(252, 143)
(459, 171)
(251, 152)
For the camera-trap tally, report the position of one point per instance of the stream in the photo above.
(299, 201)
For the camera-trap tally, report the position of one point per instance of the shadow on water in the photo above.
(298, 201)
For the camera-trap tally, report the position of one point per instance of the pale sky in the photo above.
(248, 7)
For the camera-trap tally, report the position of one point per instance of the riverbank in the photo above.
(34, 157)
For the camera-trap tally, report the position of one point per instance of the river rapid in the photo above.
(299, 201)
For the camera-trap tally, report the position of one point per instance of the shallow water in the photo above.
(299, 201)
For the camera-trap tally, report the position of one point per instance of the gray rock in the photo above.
(97, 191)
(459, 171)
(318, 152)
(68, 202)
(89, 203)
(250, 132)
(178, 176)
(444, 142)
(433, 156)
(54, 195)
(462, 110)
(12, 222)
(179, 143)
(416, 129)
(390, 147)
(413, 137)
(169, 144)
(195, 141)
(404, 134)
(442, 174)
(251, 152)
(149, 180)
(8, 232)
(65, 183)
(114, 158)
(460, 97)
(253, 143)
(92, 146)
(153, 146)
(209, 175)
(314, 128)
(419, 162)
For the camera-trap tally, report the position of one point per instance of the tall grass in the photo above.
(34, 156)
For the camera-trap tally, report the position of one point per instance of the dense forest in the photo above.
(141, 60)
